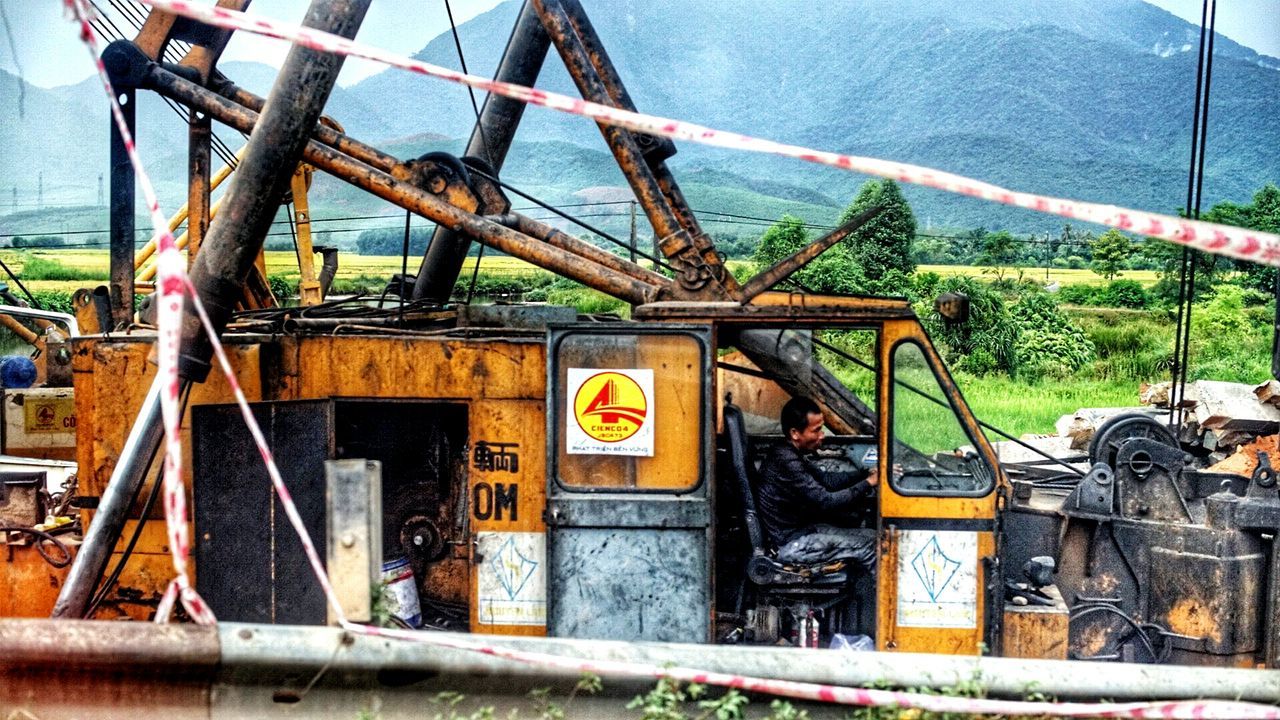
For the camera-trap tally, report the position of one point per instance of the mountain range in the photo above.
(1088, 99)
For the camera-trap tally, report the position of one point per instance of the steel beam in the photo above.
(625, 150)
(288, 118)
(123, 197)
(371, 170)
(490, 140)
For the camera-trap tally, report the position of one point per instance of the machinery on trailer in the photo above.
(546, 473)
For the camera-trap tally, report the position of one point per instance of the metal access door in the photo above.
(937, 507)
(628, 506)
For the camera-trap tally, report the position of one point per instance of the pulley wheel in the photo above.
(1106, 441)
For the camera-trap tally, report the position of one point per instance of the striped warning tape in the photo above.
(172, 285)
(1211, 237)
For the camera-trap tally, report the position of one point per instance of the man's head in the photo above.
(802, 423)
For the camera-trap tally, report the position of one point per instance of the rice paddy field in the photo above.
(88, 265)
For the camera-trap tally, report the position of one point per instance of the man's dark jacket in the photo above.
(791, 497)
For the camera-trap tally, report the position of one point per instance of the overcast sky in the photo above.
(50, 53)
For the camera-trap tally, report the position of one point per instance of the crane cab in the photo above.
(578, 479)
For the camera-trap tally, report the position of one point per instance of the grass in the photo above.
(1019, 408)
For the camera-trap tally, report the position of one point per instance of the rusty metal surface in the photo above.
(1157, 570)
(382, 184)
(490, 140)
(199, 182)
(65, 669)
(123, 191)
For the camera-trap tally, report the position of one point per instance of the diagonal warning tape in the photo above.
(1236, 242)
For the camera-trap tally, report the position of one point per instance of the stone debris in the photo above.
(1268, 392)
(1233, 406)
(1223, 424)
(1245, 459)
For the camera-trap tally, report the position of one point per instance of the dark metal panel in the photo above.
(251, 566)
(629, 585)
(626, 511)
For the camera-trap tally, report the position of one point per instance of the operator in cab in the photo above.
(794, 499)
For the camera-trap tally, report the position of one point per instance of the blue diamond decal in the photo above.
(934, 568)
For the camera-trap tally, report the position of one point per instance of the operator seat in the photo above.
(820, 586)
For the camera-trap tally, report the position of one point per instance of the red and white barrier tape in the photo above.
(1236, 242)
(174, 283)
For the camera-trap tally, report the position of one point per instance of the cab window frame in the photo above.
(891, 409)
(557, 404)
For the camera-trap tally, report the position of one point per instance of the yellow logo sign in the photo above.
(610, 407)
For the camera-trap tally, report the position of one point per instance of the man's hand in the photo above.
(874, 479)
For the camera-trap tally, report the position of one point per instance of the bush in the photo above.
(1048, 344)
(54, 300)
(1125, 294)
(282, 286)
(1078, 295)
(983, 345)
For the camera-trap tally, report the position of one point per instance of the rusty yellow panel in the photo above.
(140, 588)
(29, 585)
(109, 395)
(911, 638)
(674, 412)
(506, 472)
(111, 380)
(416, 368)
(1035, 631)
(676, 361)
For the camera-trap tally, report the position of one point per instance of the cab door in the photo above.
(938, 584)
(628, 494)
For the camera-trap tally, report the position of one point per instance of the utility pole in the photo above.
(40, 192)
(633, 231)
(100, 203)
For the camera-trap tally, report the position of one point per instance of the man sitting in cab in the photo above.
(793, 498)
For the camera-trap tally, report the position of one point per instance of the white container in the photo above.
(402, 591)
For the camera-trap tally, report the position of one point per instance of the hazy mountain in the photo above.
(1076, 98)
